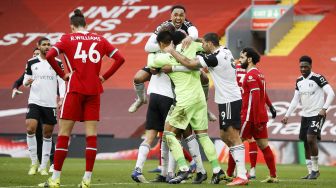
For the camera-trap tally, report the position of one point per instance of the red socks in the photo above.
(187, 155)
(90, 152)
(60, 152)
(269, 158)
(253, 151)
(231, 166)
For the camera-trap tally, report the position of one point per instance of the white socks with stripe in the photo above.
(142, 155)
(32, 148)
(46, 148)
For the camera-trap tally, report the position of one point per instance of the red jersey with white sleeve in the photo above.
(240, 72)
(254, 97)
(83, 52)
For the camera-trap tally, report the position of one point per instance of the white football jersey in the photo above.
(43, 90)
(223, 72)
(311, 93)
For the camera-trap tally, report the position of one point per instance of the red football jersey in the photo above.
(240, 73)
(83, 52)
(254, 81)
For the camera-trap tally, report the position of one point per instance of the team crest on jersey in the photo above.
(250, 77)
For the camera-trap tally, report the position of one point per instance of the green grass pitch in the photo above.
(109, 173)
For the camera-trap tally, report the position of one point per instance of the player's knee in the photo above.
(30, 130)
(141, 77)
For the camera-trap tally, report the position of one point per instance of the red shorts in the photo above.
(79, 107)
(249, 130)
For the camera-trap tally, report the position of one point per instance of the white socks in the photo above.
(314, 160)
(171, 164)
(87, 175)
(32, 148)
(142, 155)
(195, 153)
(46, 148)
(238, 154)
(164, 158)
(309, 165)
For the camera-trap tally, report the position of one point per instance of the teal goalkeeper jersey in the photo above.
(187, 85)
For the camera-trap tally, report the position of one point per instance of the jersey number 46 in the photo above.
(94, 55)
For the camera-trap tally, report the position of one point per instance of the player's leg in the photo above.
(229, 131)
(205, 85)
(91, 110)
(313, 134)
(39, 140)
(176, 151)
(49, 118)
(253, 152)
(177, 121)
(52, 152)
(303, 137)
(71, 111)
(199, 124)
(163, 104)
(193, 147)
(140, 78)
(268, 155)
(143, 151)
(32, 117)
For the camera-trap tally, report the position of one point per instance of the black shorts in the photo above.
(45, 114)
(229, 115)
(157, 111)
(311, 126)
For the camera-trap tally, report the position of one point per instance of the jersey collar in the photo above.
(83, 32)
(309, 76)
(252, 69)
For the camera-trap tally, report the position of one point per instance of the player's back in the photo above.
(83, 52)
(254, 80)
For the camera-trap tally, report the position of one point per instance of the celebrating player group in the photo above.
(178, 60)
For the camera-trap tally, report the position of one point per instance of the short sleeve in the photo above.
(321, 81)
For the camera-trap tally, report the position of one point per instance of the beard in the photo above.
(244, 65)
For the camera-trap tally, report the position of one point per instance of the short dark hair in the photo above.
(36, 48)
(252, 53)
(39, 42)
(179, 7)
(178, 36)
(307, 59)
(165, 37)
(77, 19)
(212, 37)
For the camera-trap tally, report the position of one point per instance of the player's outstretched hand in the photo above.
(167, 69)
(273, 111)
(284, 120)
(16, 92)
